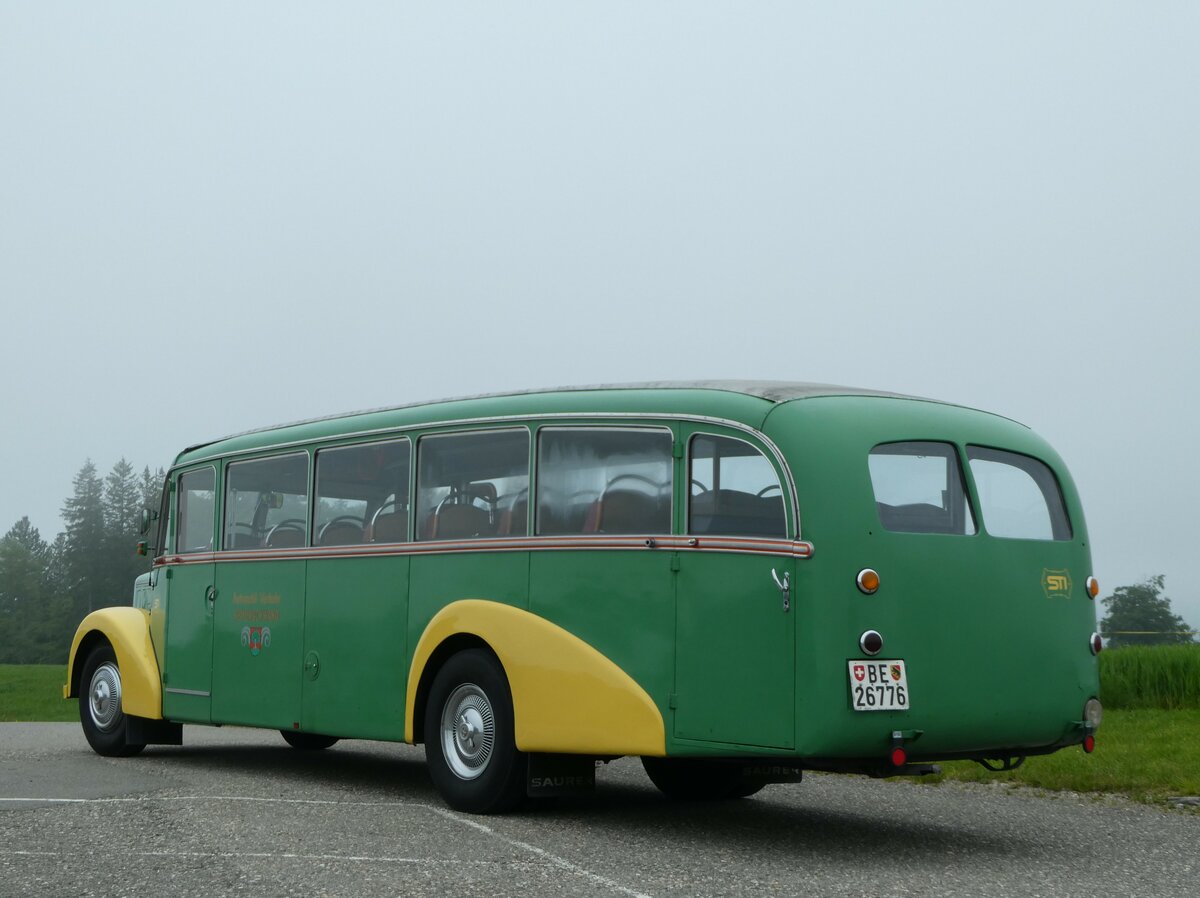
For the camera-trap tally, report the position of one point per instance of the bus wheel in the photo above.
(100, 705)
(307, 741)
(469, 745)
(698, 779)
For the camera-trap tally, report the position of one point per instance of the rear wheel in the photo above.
(100, 711)
(307, 741)
(699, 779)
(469, 741)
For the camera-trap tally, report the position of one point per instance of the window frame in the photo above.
(781, 482)
(307, 453)
(415, 476)
(968, 497)
(177, 517)
(1057, 483)
(411, 480)
(603, 428)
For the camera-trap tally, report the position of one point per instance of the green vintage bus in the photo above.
(734, 581)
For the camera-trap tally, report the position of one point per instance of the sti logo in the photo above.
(1056, 584)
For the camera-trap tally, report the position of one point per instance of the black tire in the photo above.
(307, 741)
(469, 743)
(100, 711)
(699, 779)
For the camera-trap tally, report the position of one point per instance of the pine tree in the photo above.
(83, 515)
(122, 523)
(23, 632)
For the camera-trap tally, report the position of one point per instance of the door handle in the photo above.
(785, 587)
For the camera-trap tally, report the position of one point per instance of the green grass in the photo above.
(1159, 676)
(1147, 755)
(34, 692)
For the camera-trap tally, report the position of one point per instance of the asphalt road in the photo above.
(237, 812)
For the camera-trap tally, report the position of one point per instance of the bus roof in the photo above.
(747, 401)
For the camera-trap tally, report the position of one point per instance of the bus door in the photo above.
(258, 623)
(190, 582)
(735, 621)
(356, 598)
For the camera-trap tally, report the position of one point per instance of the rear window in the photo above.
(1019, 496)
(919, 488)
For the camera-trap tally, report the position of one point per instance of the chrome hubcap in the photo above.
(104, 697)
(468, 731)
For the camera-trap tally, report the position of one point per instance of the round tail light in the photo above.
(899, 756)
(1097, 644)
(868, 581)
(1089, 743)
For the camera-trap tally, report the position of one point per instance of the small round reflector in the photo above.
(1093, 587)
(1089, 743)
(1097, 644)
(868, 581)
(899, 756)
(871, 643)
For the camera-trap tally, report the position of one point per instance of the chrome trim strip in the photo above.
(196, 692)
(600, 542)
(416, 431)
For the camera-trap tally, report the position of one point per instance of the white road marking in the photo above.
(546, 856)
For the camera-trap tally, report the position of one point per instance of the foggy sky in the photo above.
(215, 217)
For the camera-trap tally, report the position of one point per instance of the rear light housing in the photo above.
(871, 642)
(1096, 643)
(867, 581)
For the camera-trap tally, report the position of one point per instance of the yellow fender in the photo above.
(128, 631)
(567, 697)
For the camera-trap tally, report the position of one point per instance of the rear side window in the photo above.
(919, 488)
(1019, 496)
(734, 490)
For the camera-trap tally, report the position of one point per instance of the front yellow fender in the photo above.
(128, 631)
(567, 697)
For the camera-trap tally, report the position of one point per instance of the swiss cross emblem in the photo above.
(860, 672)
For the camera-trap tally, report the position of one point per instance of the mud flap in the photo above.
(144, 731)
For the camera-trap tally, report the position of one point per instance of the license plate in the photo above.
(878, 685)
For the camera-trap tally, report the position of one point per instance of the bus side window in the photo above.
(362, 494)
(472, 485)
(604, 480)
(197, 504)
(266, 502)
(734, 490)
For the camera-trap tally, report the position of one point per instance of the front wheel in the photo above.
(100, 706)
(699, 779)
(469, 735)
(307, 741)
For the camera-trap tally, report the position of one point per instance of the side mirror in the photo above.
(148, 517)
